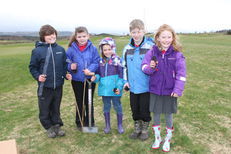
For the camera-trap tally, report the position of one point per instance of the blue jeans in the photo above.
(116, 104)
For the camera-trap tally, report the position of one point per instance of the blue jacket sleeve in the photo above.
(97, 78)
(95, 61)
(69, 59)
(124, 64)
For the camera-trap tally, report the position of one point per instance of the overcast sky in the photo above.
(114, 16)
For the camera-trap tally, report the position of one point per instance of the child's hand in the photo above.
(69, 76)
(42, 78)
(117, 92)
(93, 78)
(73, 66)
(153, 64)
(126, 86)
(174, 95)
(87, 72)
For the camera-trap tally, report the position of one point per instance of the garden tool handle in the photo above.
(89, 101)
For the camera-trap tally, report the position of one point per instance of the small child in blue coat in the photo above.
(110, 78)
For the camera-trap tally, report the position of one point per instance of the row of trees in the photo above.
(225, 31)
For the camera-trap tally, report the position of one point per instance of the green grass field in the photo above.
(202, 124)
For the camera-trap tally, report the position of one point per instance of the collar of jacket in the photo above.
(132, 43)
(75, 46)
(39, 43)
(111, 59)
(170, 50)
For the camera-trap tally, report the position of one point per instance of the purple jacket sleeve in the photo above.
(145, 66)
(180, 74)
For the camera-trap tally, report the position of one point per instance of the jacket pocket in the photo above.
(155, 81)
(170, 80)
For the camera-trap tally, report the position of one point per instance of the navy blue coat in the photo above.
(57, 66)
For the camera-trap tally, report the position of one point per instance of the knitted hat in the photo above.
(109, 41)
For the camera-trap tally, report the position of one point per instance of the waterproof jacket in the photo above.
(86, 59)
(110, 76)
(170, 73)
(132, 59)
(57, 66)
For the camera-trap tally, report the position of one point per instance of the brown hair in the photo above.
(46, 30)
(136, 23)
(175, 43)
(101, 49)
(80, 29)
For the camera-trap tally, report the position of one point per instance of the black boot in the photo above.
(144, 131)
(137, 130)
(51, 133)
(58, 130)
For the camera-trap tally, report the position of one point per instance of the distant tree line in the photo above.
(225, 31)
(29, 38)
(229, 32)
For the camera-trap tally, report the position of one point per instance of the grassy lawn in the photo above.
(202, 124)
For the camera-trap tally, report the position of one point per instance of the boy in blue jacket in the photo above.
(136, 80)
(48, 66)
(110, 78)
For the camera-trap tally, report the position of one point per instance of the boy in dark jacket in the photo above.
(48, 66)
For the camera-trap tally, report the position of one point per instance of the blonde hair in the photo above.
(136, 23)
(175, 42)
(80, 29)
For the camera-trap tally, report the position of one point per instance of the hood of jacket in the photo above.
(44, 44)
(74, 45)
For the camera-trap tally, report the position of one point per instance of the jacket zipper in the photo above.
(163, 73)
(53, 65)
(106, 69)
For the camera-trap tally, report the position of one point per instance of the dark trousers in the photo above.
(140, 106)
(78, 88)
(49, 107)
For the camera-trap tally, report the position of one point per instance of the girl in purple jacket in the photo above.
(166, 66)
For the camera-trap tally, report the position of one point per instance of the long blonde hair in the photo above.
(175, 42)
(77, 30)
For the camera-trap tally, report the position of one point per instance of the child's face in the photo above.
(137, 35)
(165, 38)
(50, 39)
(107, 51)
(82, 38)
